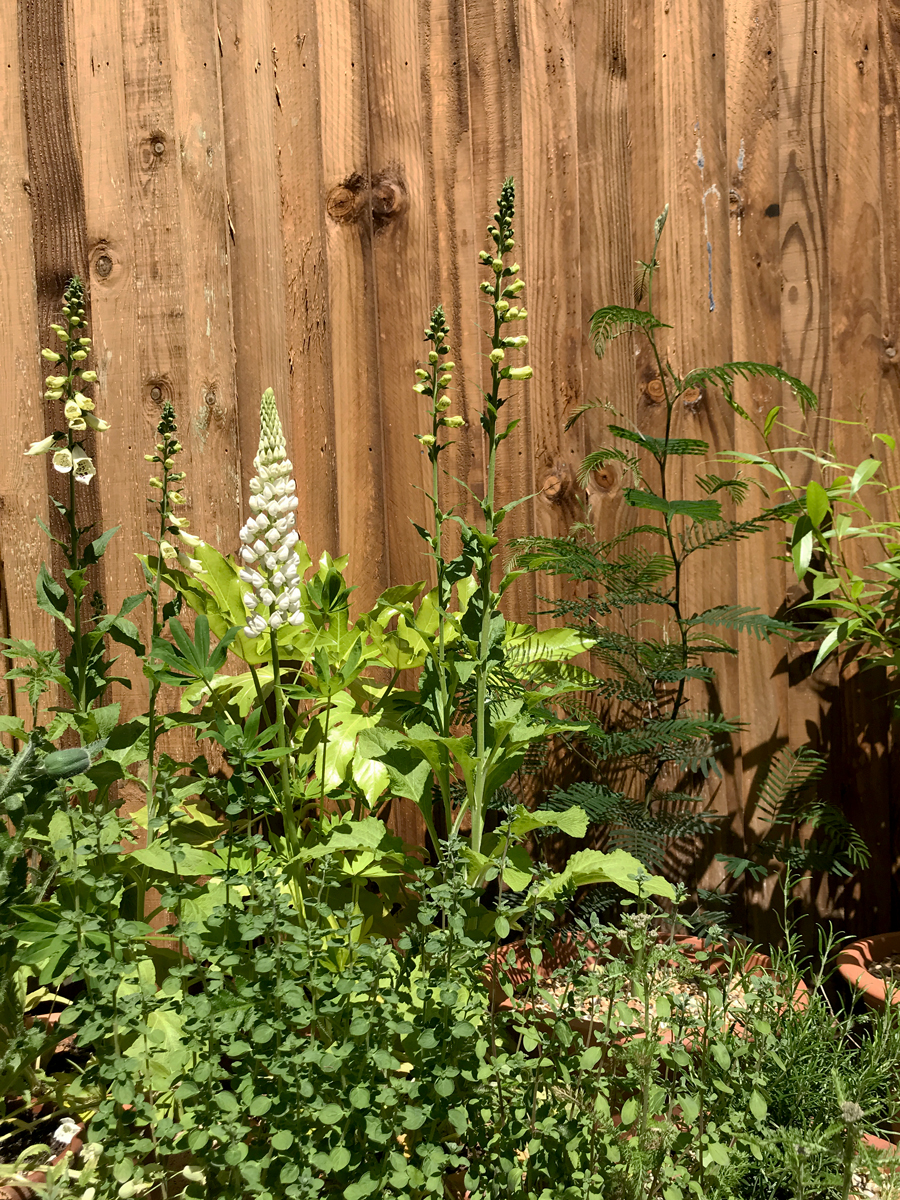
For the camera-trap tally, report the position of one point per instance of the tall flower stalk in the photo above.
(67, 387)
(477, 654)
(273, 570)
(432, 382)
(502, 292)
(169, 498)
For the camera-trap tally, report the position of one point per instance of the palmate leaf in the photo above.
(725, 375)
(614, 320)
(744, 620)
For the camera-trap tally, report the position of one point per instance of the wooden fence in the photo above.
(276, 192)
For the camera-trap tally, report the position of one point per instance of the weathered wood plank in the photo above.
(399, 194)
(23, 491)
(495, 108)
(210, 416)
(606, 237)
(297, 117)
(690, 64)
(549, 235)
(453, 234)
(358, 419)
(765, 697)
(852, 112)
(250, 102)
(58, 236)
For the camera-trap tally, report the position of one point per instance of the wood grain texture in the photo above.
(122, 474)
(606, 236)
(454, 233)
(399, 196)
(695, 257)
(765, 698)
(549, 236)
(248, 66)
(854, 220)
(58, 234)
(23, 493)
(297, 118)
(495, 107)
(355, 351)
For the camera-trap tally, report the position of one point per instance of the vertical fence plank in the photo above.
(549, 234)
(302, 197)
(203, 249)
(122, 473)
(604, 183)
(23, 493)
(495, 107)
(752, 141)
(454, 233)
(696, 268)
(359, 425)
(854, 227)
(399, 195)
(248, 64)
(58, 235)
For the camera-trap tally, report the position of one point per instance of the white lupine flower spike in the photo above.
(268, 539)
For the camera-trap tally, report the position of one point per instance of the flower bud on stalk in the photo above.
(70, 457)
(269, 540)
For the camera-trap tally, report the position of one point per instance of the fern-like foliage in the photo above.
(614, 320)
(724, 377)
(804, 832)
(630, 825)
(736, 488)
(744, 620)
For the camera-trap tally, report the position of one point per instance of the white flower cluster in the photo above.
(269, 540)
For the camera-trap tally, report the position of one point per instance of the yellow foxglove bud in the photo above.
(50, 355)
(497, 355)
(456, 422)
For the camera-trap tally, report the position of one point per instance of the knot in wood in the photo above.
(605, 479)
(390, 198)
(156, 394)
(387, 199)
(692, 398)
(655, 391)
(103, 266)
(346, 201)
(557, 483)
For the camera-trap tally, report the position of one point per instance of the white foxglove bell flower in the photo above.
(82, 466)
(62, 461)
(44, 446)
(268, 539)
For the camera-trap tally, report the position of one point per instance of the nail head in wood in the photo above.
(156, 393)
(159, 148)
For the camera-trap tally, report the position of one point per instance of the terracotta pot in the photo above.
(22, 1191)
(854, 963)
